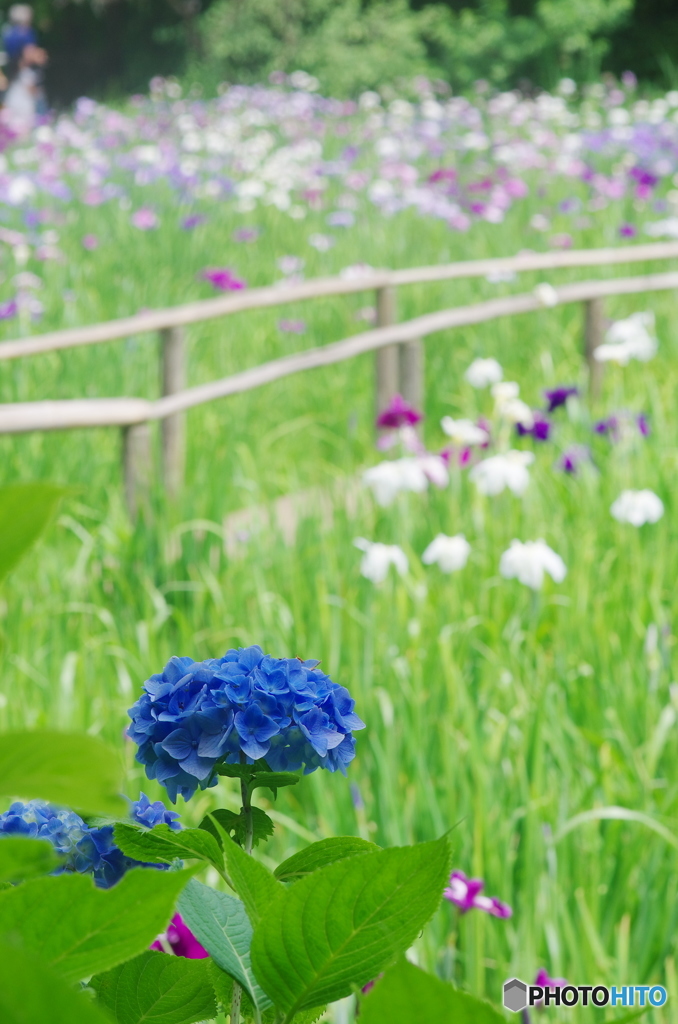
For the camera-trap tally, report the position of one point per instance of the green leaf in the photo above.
(70, 769)
(161, 845)
(319, 855)
(22, 857)
(273, 781)
(235, 825)
(223, 989)
(221, 924)
(254, 883)
(25, 510)
(155, 988)
(31, 993)
(408, 993)
(342, 925)
(81, 930)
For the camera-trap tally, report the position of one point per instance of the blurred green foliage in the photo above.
(109, 47)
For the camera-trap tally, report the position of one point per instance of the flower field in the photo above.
(494, 583)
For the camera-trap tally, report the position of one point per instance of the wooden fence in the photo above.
(398, 346)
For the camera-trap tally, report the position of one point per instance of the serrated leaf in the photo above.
(25, 510)
(320, 854)
(31, 993)
(342, 925)
(22, 857)
(273, 781)
(161, 845)
(254, 883)
(408, 993)
(235, 825)
(69, 769)
(221, 925)
(80, 930)
(155, 988)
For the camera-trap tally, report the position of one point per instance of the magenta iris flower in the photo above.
(182, 941)
(223, 279)
(558, 396)
(544, 981)
(90, 242)
(246, 235)
(398, 414)
(628, 231)
(466, 894)
(8, 310)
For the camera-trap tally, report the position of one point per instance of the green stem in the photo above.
(236, 999)
(246, 797)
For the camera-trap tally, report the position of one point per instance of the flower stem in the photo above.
(236, 999)
(246, 797)
(525, 1017)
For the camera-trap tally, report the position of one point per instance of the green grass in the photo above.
(489, 711)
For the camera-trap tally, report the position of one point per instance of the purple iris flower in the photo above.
(398, 414)
(466, 894)
(571, 459)
(559, 396)
(540, 429)
(292, 326)
(188, 223)
(8, 309)
(246, 235)
(628, 231)
(223, 279)
(643, 424)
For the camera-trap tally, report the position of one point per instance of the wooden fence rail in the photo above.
(398, 347)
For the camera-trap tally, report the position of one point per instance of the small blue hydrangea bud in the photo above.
(195, 715)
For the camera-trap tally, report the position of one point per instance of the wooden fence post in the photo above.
(173, 361)
(412, 372)
(387, 374)
(136, 462)
(594, 334)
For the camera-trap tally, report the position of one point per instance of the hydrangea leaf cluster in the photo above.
(247, 705)
(85, 849)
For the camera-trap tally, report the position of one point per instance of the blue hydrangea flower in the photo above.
(86, 849)
(194, 715)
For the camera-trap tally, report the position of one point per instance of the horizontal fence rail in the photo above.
(114, 412)
(398, 347)
(279, 295)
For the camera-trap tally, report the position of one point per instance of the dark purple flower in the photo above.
(223, 279)
(540, 429)
(628, 231)
(605, 426)
(398, 414)
(573, 458)
(558, 396)
(181, 940)
(188, 223)
(465, 893)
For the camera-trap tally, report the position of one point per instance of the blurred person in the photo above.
(19, 31)
(24, 93)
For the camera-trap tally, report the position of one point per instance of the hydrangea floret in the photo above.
(86, 849)
(247, 706)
